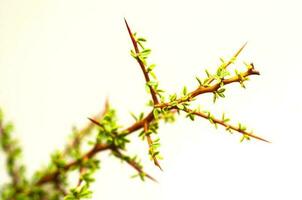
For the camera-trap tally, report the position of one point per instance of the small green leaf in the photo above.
(222, 60)
(199, 81)
(156, 112)
(145, 52)
(244, 137)
(141, 39)
(208, 74)
(151, 67)
(215, 96)
(180, 106)
(221, 95)
(133, 54)
(173, 97)
(221, 90)
(184, 91)
(141, 116)
(133, 115)
(191, 116)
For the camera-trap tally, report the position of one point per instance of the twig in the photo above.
(202, 89)
(132, 163)
(52, 176)
(86, 130)
(150, 143)
(143, 67)
(231, 60)
(222, 123)
(149, 118)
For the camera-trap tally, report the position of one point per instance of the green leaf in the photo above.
(1, 115)
(152, 84)
(141, 116)
(153, 75)
(191, 116)
(145, 53)
(244, 137)
(224, 119)
(156, 112)
(151, 67)
(215, 97)
(133, 54)
(133, 115)
(180, 106)
(208, 74)
(184, 91)
(221, 95)
(221, 90)
(173, 97)
(199, 81)
(222, 60)
(141, 39)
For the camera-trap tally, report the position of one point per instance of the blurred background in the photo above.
(59, 60)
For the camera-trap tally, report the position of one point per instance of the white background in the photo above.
(59, 60)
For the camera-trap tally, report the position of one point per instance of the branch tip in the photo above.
(94, 121)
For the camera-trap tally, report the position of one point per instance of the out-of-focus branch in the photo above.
(133, 163)
(78, 138)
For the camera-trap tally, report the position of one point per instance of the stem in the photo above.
(222, 123)
(148, 119)
(150, 143)
(141, 64)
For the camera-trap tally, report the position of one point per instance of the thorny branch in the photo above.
(223, 123)
(76, 141)
(132, 163)
(150, 117)
(111, 137)
(140, 62)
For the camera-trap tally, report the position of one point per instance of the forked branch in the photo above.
(111, 137)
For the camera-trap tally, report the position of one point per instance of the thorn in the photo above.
(95, 122)
(131, 36)
(239, 51)
(157, 164)
(151, 178)
(107, 104)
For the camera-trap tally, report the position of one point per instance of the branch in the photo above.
(148, 119)
(53, 176)
(152, 91)
(231, 60)
(172, 105)
(150, 143)
(223, 123)
(132, 163)
(141, 64)
(202, 89)
(86, 130)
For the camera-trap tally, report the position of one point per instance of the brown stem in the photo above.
(201, 89)
(140, 124)
(53, 175)
(133, 164)
(231, 60)
(214, 87)
(86, 130)
(222, 123)
(141, 64)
